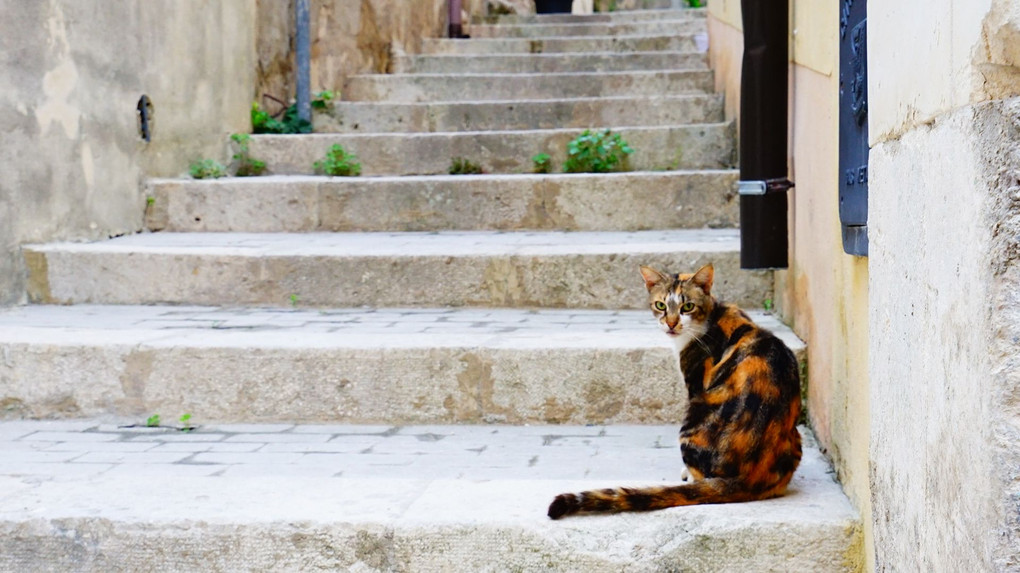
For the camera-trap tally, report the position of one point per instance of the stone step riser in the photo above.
(457, 87)
(598, 17)
(412, 272)
(382, 385)
(566, 202)
(551, 63)
(357, 117)
(560, 45)
(643, 28)
(395, 367)
(707, 146)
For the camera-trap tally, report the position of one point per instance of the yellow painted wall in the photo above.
(824, 294)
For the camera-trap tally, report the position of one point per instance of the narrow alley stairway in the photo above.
(397, 371)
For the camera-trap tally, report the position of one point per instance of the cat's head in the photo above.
(681, 303)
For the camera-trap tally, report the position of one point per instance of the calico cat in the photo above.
(739, 438)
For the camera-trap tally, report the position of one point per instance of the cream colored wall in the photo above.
(71, 158)
(824, 294)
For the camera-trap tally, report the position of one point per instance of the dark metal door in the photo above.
(853, 125)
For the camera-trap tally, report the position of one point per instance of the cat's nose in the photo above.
(671, 322)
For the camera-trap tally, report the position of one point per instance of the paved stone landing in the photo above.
(95, 496)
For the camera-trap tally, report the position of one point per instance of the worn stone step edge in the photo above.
(696, 146)
(578, 113)
(494, 86)
(563, 30)
(550, 63)
(560, 45)
(577, 202)
(299, 511)
(617, 16)
(449, 268)
(395, 366)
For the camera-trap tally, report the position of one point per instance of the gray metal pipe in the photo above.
(304, 61)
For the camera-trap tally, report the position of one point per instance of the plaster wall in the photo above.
(824, 294)
(73, 72)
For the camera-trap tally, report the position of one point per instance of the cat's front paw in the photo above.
(685, 476)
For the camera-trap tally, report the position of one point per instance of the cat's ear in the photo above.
(652, 277)
(703, 278)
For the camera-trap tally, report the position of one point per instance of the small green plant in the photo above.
(289, 123)
(767, 304)
(541, 163)
(207, 169)
(322, 99)
(695, 3)
(597, 152)
(339, 162)
(293, 300)
(462, 166)
(152, 421)
(186, 423)
(150, 201)
(247, 166)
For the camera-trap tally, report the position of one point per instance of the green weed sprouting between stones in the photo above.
(462, 166)
(152, 421)
(294, 300)
(186, 423)
(322, 99)
(767, 305)
(207, 169)
(541, 163)
(247, 166)
(289, 122)
(695, 3)
(339, 163)
(597, 152)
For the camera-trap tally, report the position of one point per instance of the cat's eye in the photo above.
(687, 307)
(659, 305)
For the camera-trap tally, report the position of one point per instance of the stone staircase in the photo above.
(397, 372)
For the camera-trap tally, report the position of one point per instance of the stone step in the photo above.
(557, 45)
(581, 202)
(598, 17)
(396, 366)
(550, 63)
(471, 87)
(91, 496)
(571, 29)
(698, 146)
(522, 269)
(578, 113)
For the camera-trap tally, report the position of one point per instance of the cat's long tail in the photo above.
(709, 490)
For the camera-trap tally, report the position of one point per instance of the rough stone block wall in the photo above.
(71, 157)
(944, 225)
(348, 37)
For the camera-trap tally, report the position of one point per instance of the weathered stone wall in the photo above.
(71, 157)
(944, 222)
(348, 37)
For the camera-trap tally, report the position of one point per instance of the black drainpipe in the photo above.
(763, 139)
